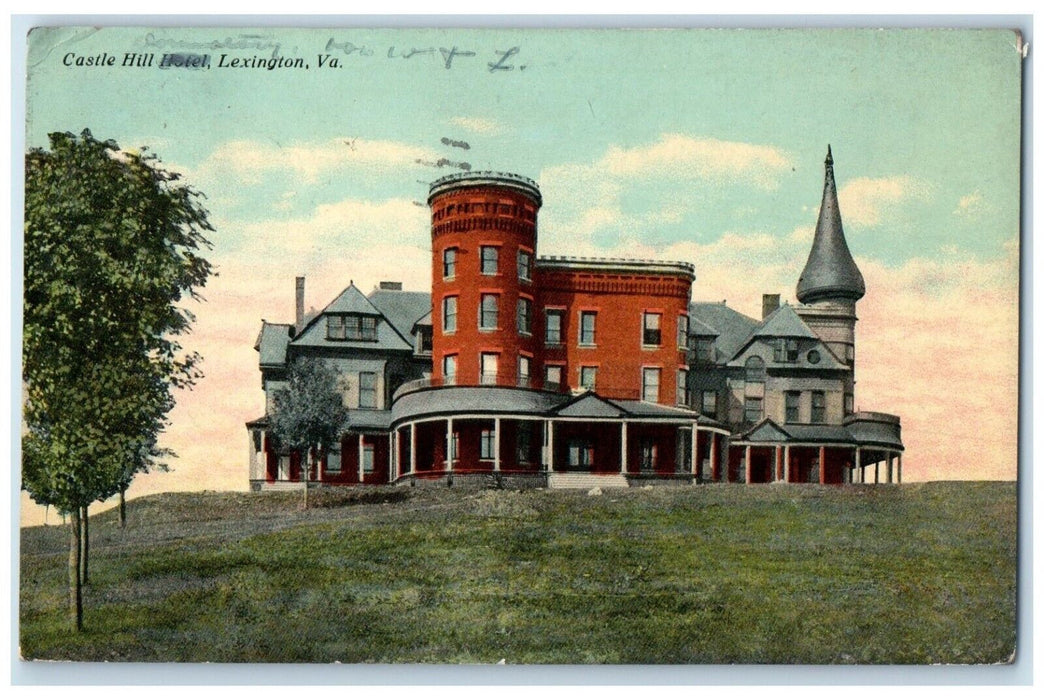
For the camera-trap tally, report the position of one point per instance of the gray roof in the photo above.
(352, 301)
(402, 309)
(272, 342)
(784, 323)
(644, 409)
(830, 271)
(473, 399)
(875, 429)
(732, 327)
(364, 419)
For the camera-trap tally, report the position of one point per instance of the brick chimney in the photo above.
(299, 308)
(393, 286)
(769, 303)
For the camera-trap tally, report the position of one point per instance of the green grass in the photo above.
(911, 574)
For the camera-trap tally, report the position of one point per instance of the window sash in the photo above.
(793, 406)
(588, 377)
(682, 388)
(486, 446)
(525, 264)
(367, 455)
(490, 259)
(449, 368)
(651, 384)
(489, 312)
(651, 329)
(587, 327)
(488, 367)
(709, 403)
(449, 315)
(553, 376)
(683, 331)
(553, 330)
(752, 409)
(818, 407)
(367, 390)
(449, 263)
(525, 316)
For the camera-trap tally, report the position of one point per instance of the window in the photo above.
(752, 409)
(524, 443)
(367, 458)
(525, 316)
(367, 390)
(333, 461)
(849, 404)
(449, 369)
(587, 377)
(651, 384)
(755, 373)
(581, 453)
(486, 445)
(813, 357)
(525, 265)
(425, 340)
(704, 348)
(683, 388)
(648, 455)
(488, 312)
(709, 403)
(553, 377)
(793, 406)
(449, 263)
(818, 407)
(553, 330)
(490, 259)
(650, 329)
(785, 350)
(523, 370)
(449, 315)
(488, 367)
(587, 327)
(351, 327)
(455, 446)
(683, 331)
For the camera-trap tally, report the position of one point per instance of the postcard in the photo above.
(521, 346)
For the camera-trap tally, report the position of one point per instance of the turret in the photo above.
(831, 284)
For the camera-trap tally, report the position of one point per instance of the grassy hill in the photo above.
(920, 573)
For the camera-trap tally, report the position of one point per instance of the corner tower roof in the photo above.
(485, 178)
(830, 272)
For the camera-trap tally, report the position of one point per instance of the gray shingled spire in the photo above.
(830, 272)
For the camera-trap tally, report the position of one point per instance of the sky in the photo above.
(703, 146)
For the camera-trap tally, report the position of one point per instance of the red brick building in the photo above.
(576, 371)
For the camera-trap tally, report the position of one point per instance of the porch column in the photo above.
(715, 467)
(623, 447)
(449, 444)
(786, 463)
(746, 463)
(777, 467)
(361, 477)
(413, 448)
(550, 426)
(858, 464)
(320, 459)
(496, 444)
(822, 464)
(694, 450)
(899, 468)
(393, 458)
(877, 477)
(889, 473)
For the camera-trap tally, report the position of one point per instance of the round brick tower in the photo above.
(484, 307)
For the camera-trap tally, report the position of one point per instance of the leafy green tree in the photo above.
(112, 248)
(309, 414)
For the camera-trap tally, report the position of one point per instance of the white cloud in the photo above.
(864, 200)
(681, 156)
(969, 204)
(250, 161)
(478, 125)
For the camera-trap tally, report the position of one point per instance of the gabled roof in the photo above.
(272, 342)
(589, 405)
(424, 320)
(731, 327)
(655, 410)
(830, 272)
(402, 309)
(766, 431)
(351, 301)
(698, 327)
(784, 323)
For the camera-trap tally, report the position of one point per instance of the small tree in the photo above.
(309, 414)
(112, 245)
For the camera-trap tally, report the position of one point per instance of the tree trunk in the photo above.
(75, 592)
(123, 506)
(85, 545)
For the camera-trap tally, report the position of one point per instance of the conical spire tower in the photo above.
(830, 272)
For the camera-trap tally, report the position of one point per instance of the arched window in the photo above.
(755, 370)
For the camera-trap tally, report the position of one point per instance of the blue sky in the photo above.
(699, 145)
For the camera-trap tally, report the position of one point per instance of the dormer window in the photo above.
(351, 327)
(703, 349)
(424, 340)
(785, 350)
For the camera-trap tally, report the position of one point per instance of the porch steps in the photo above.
(557, 480)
